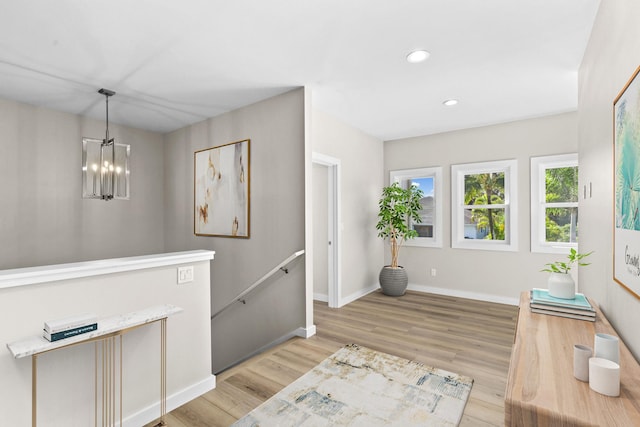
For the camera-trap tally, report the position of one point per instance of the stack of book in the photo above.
(58, 329)
(577, 308)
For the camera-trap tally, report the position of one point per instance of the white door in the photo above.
(326, 223)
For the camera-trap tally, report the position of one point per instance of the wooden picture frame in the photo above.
(222, 190)
(626, 182)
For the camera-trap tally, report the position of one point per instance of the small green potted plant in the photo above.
(560, 283)
(396, 206)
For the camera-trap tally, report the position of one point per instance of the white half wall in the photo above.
(66, 376)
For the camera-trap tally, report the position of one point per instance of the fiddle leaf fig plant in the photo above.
(396, 206)
(565, 266)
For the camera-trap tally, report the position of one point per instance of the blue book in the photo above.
(69, 332)
(541, 296)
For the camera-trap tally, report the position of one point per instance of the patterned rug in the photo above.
(357, 386)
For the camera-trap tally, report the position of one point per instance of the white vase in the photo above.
(561, 285)
(604, 376)
(607, 346)
(581, 356)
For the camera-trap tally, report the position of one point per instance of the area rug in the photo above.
(357, 386)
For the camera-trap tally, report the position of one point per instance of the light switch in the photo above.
(185, 274)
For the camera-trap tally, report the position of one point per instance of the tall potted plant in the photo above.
(560, 283)
(396, 206)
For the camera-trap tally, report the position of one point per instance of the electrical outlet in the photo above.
(185, 274)
(433, 272)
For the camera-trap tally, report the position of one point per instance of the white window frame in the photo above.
(539, 165)
(458, 172)
(401, 177)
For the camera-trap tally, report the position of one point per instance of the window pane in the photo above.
(561, 184)
(486, 224)
(484, 189)
(429, 181)
(425, 228)
(425, 184)
(561, 225)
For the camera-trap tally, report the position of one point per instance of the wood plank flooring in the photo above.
(468, 337)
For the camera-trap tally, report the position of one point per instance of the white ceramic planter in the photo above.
(561, 285)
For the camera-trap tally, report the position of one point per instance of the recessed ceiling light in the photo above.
(450, 102)
(418, 56)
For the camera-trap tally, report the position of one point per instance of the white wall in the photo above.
(277, 196)
(66, 376)
(362, 180)
(43, 218)
(611, 57)
(497, 276)
(320, 232)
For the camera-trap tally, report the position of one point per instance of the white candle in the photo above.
(118, 170)
(94, 167)
(103, 178)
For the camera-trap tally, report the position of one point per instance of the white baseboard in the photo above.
(321, 297)
(306, 332)
(174, 401)
(464, 294)
(359, 294)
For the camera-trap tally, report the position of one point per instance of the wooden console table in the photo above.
(108, 355)
(541, 389)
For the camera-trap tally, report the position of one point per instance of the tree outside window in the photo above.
(484, 206)
(554, 203)
(484, 203)
(561, 204)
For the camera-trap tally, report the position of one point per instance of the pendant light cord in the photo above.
(107, 131)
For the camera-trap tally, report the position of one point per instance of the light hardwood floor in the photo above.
(468, 337)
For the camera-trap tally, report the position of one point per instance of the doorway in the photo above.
(326, 224)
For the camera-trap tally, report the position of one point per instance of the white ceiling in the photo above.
(173, 63)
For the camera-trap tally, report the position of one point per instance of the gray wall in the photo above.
(478, 273)
(43, 219)
(362, 180)
(611, 58)
(276, 129)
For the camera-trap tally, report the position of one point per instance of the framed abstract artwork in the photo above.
(221, 190)
(626, 233)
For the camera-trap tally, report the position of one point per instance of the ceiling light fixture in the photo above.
(450, 102)
(418, 56)
(105, 164)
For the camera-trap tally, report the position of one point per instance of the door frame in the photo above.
(334, 225)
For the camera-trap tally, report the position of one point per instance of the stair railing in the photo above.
(241, 298)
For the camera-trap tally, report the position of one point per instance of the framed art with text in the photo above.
(221, 190)
(626, 233)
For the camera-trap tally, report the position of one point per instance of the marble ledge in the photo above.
(51, 273)
(38, 344)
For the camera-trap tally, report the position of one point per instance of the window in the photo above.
(484, 205)
(554, 203)
(429, 180)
